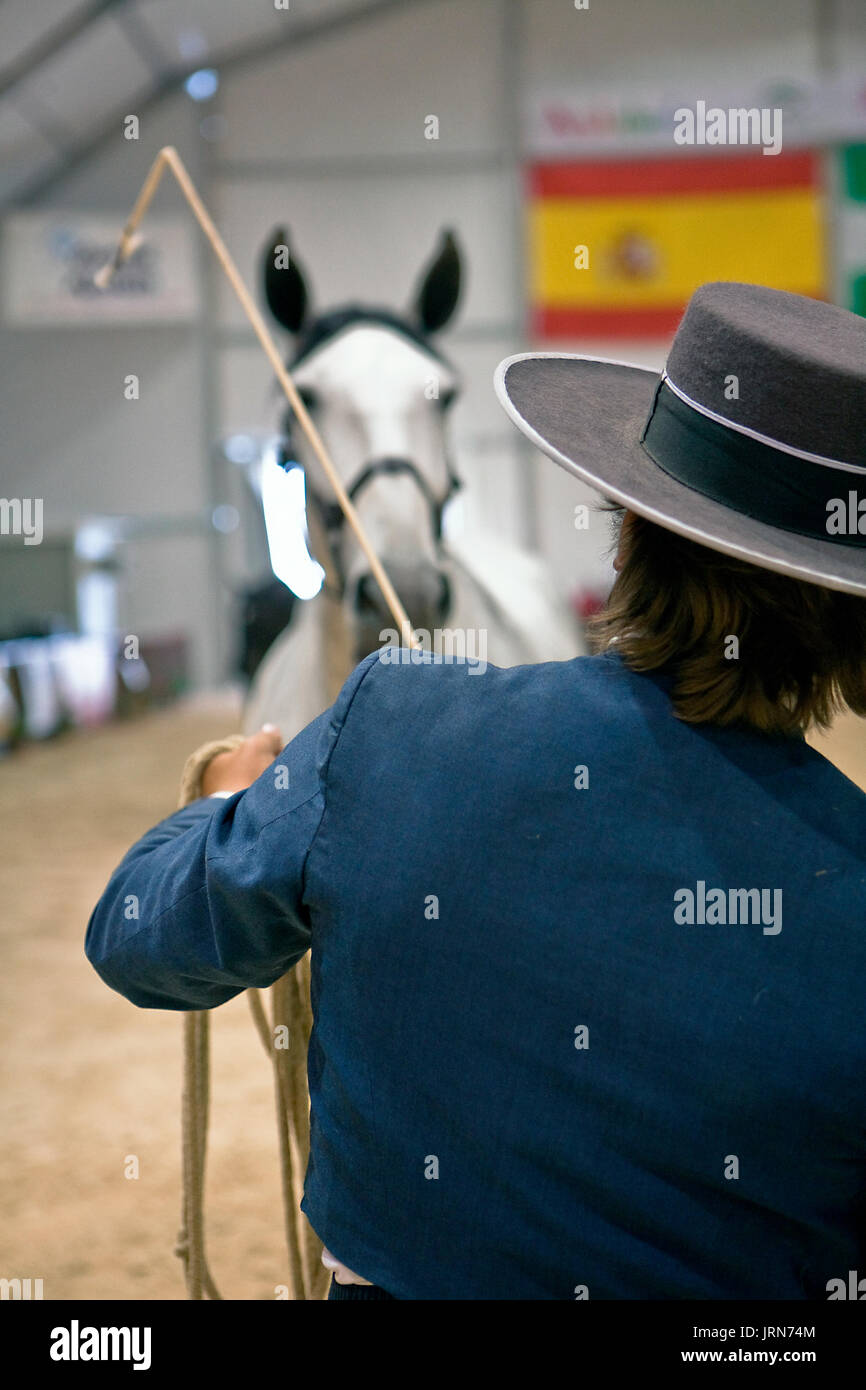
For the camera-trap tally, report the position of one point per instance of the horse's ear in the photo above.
(285, 286)
(438, 289)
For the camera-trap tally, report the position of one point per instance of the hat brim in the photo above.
(588, 414)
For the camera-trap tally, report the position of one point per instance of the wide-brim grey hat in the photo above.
(752, 441)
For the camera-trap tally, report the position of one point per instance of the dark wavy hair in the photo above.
(676, 605)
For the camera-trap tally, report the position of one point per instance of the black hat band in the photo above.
(782, 489)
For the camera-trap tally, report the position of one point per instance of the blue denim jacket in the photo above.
(561, 1048)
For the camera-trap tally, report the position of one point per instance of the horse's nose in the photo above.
(423, 590)
(444, 597)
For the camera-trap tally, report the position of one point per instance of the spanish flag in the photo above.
(617, 247)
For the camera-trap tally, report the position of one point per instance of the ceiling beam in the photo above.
(297, 36)
(140, 37)
(51, 43)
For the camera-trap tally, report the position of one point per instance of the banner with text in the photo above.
(49, 261)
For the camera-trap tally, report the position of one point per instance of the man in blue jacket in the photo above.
(588, 938)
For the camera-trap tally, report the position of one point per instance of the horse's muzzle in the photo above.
(423, 589)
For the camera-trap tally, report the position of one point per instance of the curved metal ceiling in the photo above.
(71, 70)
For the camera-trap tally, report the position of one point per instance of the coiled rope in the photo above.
(285, 1038)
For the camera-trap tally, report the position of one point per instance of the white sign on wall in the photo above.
(49, 261)
(572, 121)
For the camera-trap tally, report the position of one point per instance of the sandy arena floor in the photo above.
(87, 1079)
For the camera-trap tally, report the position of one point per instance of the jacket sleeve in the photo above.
(211, 901)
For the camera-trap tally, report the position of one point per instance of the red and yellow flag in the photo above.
(654, 229)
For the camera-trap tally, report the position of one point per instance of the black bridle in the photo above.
(332, 517)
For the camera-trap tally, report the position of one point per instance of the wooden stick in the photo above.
(168, 157)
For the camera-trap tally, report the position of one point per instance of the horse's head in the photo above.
(379, 392)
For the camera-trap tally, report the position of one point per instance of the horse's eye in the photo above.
(448, 398)
(309, 398)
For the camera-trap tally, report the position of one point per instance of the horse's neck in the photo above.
(510, 593)
(336, 645)
(289, 688)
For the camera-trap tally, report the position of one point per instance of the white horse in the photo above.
(379, 391)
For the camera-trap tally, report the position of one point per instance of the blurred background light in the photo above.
(202, 84)
(225, 519)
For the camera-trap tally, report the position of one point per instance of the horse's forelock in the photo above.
(327, 326)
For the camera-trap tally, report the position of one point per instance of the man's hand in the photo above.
(235, 771)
